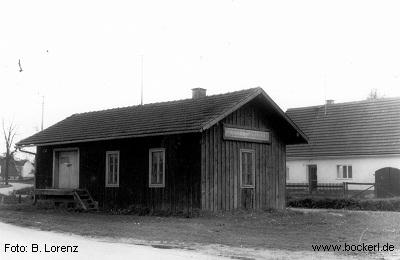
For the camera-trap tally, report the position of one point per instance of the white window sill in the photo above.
(344, 179)
(247, 187)
(156, 186)
(112, 186)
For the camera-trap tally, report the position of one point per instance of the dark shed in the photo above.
(218, 152)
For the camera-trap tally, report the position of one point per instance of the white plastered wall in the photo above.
(363, 169)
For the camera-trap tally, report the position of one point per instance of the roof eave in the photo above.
(30, 144)
(286, 117)
(218, 118)
(341, 156)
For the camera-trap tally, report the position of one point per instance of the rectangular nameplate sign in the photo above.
(232, 133)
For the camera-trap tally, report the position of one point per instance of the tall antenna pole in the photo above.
(42, 111)
(325, 92)
(141, 82)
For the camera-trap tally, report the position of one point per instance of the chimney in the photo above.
(330, 101)
(198, 93)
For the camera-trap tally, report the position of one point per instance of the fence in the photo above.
(328, 189)
(359, 193)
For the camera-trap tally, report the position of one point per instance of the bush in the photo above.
(351, 204)
(146, 211)
(14, 198)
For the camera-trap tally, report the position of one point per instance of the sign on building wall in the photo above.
(241, 134)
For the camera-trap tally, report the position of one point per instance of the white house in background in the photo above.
(28, 169)
(347, 141)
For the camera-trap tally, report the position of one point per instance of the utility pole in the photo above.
(42, 112)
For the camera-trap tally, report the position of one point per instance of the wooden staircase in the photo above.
(84, 200)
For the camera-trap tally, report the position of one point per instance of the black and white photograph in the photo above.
(184, 129)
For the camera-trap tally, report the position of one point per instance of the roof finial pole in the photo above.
(42, 112)
(325, 92)
(141, 81)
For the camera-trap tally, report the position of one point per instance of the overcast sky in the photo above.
(85, 55)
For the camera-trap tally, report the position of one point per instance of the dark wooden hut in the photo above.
(218, 152)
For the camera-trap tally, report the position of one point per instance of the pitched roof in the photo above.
(369, 127)
(181, 116)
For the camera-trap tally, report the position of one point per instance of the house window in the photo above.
(247, 170)
(112, 169)
(344, 171)
(157, 168)
(287, 173)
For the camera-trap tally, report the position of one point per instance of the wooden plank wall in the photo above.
(44, 168)
(220, 173)
(182, 189)
(202, 170)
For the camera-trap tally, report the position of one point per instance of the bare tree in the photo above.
(373, 95)
(9, 134)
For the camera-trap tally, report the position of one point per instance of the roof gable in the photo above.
(181, 116)
(369, 127)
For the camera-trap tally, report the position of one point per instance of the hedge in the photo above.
(351, 204)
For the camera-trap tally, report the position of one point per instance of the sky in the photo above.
(86, 55)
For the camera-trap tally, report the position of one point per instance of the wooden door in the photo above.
(312, 177)
(68, 175)
(387, 182)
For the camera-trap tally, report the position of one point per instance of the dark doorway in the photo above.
(312, 177)
(387, 182)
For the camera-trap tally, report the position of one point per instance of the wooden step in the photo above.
(84, 199)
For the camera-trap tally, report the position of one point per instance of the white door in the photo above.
(68, 175)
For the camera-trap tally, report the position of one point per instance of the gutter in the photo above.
(24, 151)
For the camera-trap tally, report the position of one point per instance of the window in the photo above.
(157, 168)
(247, 168)
(344, 172)
(112, 169)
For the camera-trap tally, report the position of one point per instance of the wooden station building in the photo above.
(218, 152)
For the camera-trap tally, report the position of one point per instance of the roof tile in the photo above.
(369, 127)
(188, 115)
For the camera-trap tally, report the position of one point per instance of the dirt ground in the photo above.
(290, 230)
(82, 248)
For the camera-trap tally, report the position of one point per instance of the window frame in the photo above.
(112, 185)
(253, 160)
(338, 166)
(152, 150)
